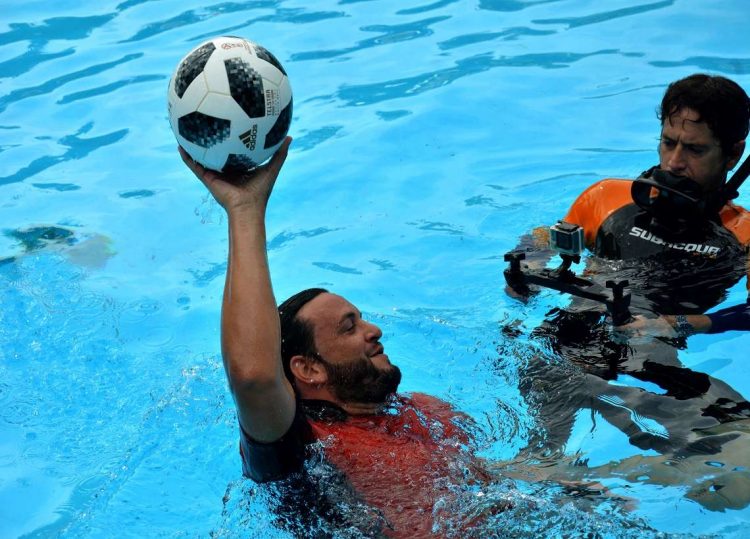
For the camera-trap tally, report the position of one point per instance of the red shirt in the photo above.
(400, 462)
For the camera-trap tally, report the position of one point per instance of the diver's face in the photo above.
(349, 347)
(689, 148)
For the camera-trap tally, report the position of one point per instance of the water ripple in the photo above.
(481, 200)
(312, 138)
(108, 88)
(423, 9)
(27, 61)
(132, 3)
(390, 115)
(629, 90)
(285, 237)
(573, 22)
(78, 148)
(613, 150)
(57, 186)
(192, 17)
(388, 35)
(301, 16)
(511, 5)
(510, 34)
(436, 226)
(64, 28)
(202, 278)
(733, 66)
(138, 193)
(150, 30)
(52, 84)
(281, 16)
(382, 264)
(337, 268)
(382, 91)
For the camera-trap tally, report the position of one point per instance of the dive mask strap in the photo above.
(731, 188)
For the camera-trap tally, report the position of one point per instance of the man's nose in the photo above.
(373, 332)
(676, 158)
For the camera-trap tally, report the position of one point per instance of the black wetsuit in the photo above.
(640, 386)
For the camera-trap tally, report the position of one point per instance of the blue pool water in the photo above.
(429, 135)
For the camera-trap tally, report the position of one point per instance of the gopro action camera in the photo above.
(566, 238)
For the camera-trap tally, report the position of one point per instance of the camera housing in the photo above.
(566, 238)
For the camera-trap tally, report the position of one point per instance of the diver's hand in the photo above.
(519, 296)
(245, 190)
(664, 326)
(640, 326)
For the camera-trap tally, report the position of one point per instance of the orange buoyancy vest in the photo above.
(689, 271)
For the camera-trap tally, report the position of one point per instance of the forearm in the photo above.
(735, 318)
(251, 339)
(250, 333)
(249, 316)
(688, 324)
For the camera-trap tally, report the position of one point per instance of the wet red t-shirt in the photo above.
(402, 462)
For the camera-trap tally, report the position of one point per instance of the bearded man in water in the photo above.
(314, 369)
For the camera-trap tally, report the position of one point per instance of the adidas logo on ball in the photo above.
(249, 137)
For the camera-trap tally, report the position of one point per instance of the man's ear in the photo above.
(734, 154)
(307, 370)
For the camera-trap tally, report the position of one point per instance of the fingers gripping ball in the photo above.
(230, 104)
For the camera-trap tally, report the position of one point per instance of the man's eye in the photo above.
(668, 143)
(695, 150)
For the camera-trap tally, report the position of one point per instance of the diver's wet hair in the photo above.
(296, 335)
(720, 102)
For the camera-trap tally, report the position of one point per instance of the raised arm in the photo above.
(250, 333)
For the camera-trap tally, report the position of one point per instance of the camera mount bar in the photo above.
(563, 279)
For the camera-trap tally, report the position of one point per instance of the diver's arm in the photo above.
(688, 324)
(735, 318)
(250, 332)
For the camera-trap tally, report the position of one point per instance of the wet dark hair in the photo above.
(296, 335)
(720, 102)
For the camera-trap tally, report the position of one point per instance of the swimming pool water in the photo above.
(428, 136)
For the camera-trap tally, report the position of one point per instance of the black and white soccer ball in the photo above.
(230, 104)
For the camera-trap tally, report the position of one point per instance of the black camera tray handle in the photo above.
(562, 279)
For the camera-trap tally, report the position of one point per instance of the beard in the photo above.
(362, 381)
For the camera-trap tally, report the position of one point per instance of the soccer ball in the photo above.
(230, 104)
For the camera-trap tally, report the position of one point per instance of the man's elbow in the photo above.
(244, 380)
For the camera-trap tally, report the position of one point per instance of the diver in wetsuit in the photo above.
(675, 236)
